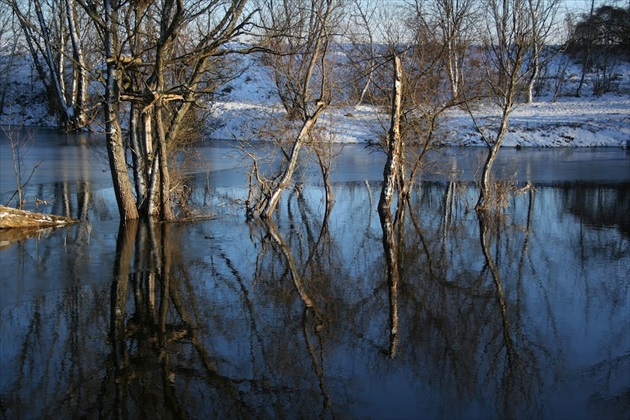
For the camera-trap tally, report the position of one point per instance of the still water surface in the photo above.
(520, 315)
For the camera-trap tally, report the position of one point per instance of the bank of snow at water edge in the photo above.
(246, 108)
(249, 103)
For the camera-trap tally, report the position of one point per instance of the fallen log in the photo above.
(11, 218)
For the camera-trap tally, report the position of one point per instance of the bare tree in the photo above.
(507, 44)
(420, 93)
(298, 34)
(454, 22)
(19, 143)
(51, 31)
(543, 23)
(9, 41)
(393, 170)
(362, 34)
(588, 36)
(158, 59)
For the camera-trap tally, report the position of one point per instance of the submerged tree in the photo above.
(159, 56)
(507, 44)
(417, 96)
(298, 34)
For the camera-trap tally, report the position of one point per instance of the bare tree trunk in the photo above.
(391, 171)
(166, 212)
(7, 70)
(136, 153)
(510, 38)
(115, 147)
(493, 150)
(586, 56)
(324, 167)
(271, 202)
(80, 73)
(453, 68)
(394, 176)
(535, 71)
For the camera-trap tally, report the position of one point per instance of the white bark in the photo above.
(392, 169)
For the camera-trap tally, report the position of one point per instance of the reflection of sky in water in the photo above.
(565, 284)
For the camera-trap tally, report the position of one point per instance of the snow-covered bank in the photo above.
(250, 101)
(570, 122)
(245, 108)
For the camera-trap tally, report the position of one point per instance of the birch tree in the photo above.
(52, 33)
(393, 171)
(420, 92)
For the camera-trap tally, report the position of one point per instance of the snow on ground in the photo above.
(570, 122)
(245, 107)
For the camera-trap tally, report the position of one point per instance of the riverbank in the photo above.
(249, 103)
(248, 107)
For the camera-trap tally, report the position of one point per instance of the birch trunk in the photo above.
(392, 166)
(80, 74)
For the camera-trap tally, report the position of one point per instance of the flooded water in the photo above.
(443, 314)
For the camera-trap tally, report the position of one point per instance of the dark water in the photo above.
(525, 314)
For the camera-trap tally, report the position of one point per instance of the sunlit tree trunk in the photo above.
(493, 150)
(270, 203)
(391, 171)
(535, 71)
(509, 39)
(302, 81)
(115, 147)
(80, 79)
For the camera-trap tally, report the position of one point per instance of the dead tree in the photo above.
(394, 165)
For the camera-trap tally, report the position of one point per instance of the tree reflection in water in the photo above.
(157, 350)
(436, 313)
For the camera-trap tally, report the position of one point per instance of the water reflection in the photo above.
(599, 205)
(157, 349)
(316, 314)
